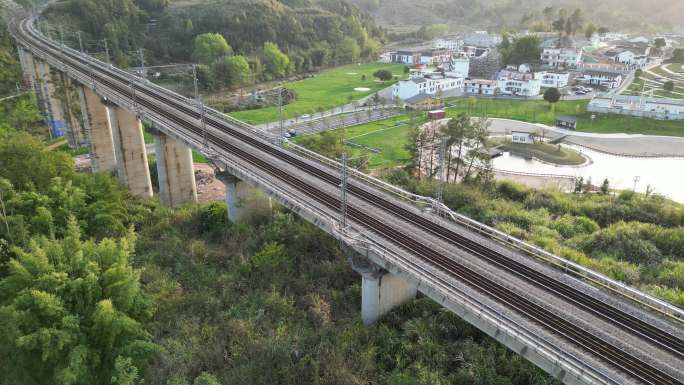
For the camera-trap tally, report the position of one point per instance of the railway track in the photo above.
(572, 333)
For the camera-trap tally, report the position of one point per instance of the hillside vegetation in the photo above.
(633, 15)
(312, 33)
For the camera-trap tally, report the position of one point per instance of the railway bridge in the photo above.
(577, 325)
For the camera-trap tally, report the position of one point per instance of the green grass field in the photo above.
(545, 152)
(329, 89)
(538, 111)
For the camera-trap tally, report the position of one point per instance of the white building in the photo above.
(522, 137)
(607, 79)
(657, 108)
(553, 79)
(460, 65)
(480, 87)
(482, 39)
(452, 45)
(561, 57)
(406, 57)
(628, 57)
(430, 84)
(518, 82)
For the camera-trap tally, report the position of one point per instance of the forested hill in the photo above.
(494, 14)
(312, 33)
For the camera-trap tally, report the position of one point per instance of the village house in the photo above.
(561, 57)
(518, 82)
(405, 57)
(423, 102)
(482, 39)
(460, 65)
(598, 78)
(430, 84)
(480, 87)
(450, 44)
(657, 108)
(553, 78)
(627, 57)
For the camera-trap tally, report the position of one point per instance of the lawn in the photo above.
(538, 111)
(388, 137)
(545, 152)
(330, 88)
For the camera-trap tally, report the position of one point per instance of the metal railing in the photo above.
(425, 203)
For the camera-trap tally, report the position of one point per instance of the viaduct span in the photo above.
(575, 324)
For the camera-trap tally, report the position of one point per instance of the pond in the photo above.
(664, 175)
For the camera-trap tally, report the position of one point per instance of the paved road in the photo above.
(620, 144)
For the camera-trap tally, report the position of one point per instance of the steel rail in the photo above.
(641, 328)
(310, 168)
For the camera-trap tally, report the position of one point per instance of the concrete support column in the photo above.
(380, 290)
(70, 91)
(29, 64)
(55, 108)
(175, 170)
(235, 212)
(131, 154)
(242, 200)
(96, 120)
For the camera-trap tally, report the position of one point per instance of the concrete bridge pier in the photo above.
(130, 152)
(28, 64)
(381, 291)
(54, 106)
(234, 195)
(175, 170)
(98, 128)
(242, 200)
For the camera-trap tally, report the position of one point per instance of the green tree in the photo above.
(383, 75)
(348, 51)
(206, 379)
(660, 43)
(233, 70)
(209, 47)
(27, 164)
(276, 62)
(590, 30)
(669, 86)
(638, 73)
(72, 312)
(605, 187)
(678, 55)
(552, 95)
(526, 49)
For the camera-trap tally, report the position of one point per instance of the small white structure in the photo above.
(480, 87)
(657, 108)
(522, 137)
(561, 57)
(607, 79)
(553, 79)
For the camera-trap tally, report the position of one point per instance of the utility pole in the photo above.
(442, 169)
(343, 188)
(61, 36)
(195, 82)
(80, 41)
(280, 113)
(106, 47)
(142, 63)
